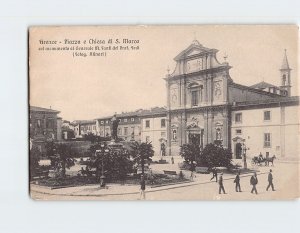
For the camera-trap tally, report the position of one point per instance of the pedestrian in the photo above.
(143, 187)
(253, 182)
(270, 180)
(172, 160)
(237, 183)
(221, 186)
(215, 174)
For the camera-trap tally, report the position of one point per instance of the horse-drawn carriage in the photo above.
(260, 160)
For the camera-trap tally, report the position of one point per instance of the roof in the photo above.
(39, 109)
(276, 100)
(285, 63)
(139, 112)
(262, 85)
(82, 122)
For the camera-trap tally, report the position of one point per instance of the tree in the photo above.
(34, 158)
(116, 162)
(214, 155)
(141, 153)
(191, 153)
(61, 156)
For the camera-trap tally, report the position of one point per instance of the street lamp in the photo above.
(244, 150)
(102, 152)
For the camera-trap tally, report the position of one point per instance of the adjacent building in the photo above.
(44, 126)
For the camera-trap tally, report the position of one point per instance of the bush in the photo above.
(214, 155)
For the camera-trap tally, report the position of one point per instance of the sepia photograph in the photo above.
(163, 113)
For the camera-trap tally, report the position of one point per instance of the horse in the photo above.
(270, 160)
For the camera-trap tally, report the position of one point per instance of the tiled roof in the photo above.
(39, 109)
(262, 85)
(276, 100)
(139, 112)
(76, 122)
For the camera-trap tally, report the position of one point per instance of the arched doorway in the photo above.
(238, 147)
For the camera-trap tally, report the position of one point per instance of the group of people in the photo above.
(253, 182)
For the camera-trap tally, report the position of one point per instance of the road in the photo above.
(285, 180)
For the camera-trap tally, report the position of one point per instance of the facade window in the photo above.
(132, 119)
(125, 120)
(195, 98)
(119, 131)
(267, 115)
(125, 130)
(132, 129)
(267, 140)
(238, 131)
(94, 127)
(147, 124)
(163, 123)
(106, 122)
(102, 122)
(238, 117)
(163, 134)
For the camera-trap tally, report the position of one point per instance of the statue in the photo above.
(114, 127)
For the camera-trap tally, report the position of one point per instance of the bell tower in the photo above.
(285, 74)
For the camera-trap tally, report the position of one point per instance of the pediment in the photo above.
(192, 50)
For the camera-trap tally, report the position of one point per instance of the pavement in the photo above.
(201, 188)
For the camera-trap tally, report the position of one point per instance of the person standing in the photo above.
(215, 174)
(143, 187)
(254, 182)
(270, 180)
(172, 160)
(237, 183)
(221, 186)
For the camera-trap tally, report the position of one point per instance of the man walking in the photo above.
(215, 174)
(143, 187)
(253, 182)
(237, 183)
(270, 180)
(221, 186)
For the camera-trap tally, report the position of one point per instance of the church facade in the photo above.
(201, 96)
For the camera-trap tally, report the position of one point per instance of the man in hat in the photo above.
(253, 182)
(237, 182)
(221, 186)
(270, 180)
(215, 174)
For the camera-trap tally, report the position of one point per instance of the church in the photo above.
(205, 105)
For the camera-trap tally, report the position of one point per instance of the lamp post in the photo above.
(102, 152)
(244, 151)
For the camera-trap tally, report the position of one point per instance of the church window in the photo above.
(195, 98)
(238, 131)
(238, 117)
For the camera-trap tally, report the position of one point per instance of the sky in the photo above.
(91, 87)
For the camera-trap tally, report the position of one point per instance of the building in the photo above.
(44, 126)
(129, 128)
(83, 127)
(154, 127)
(201, 94)
(270, 127)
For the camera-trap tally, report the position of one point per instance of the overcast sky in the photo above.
(91, 87)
